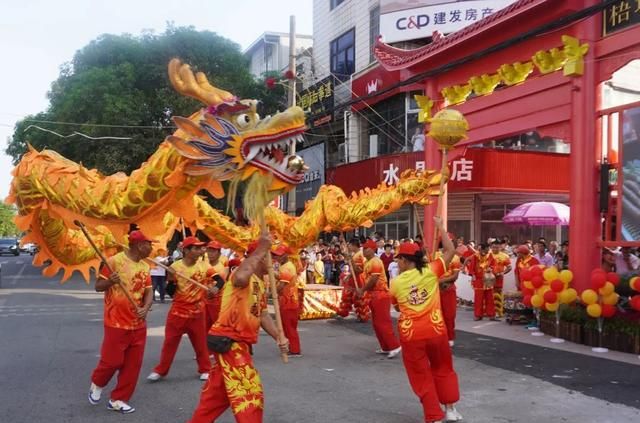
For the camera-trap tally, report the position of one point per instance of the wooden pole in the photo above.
(274, 291)
(443, 169)
(104, 260)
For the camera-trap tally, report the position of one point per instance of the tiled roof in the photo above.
(392, 58)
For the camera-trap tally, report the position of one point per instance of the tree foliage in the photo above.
(7, 227)
(121, 80)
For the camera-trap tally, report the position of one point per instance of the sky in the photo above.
(38, 36)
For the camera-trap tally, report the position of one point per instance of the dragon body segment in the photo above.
(226, 140)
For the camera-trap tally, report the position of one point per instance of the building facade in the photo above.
(270, 53)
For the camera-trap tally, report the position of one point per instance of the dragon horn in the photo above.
(196, 86)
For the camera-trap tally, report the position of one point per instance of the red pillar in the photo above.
(433, 161)
(584, 228)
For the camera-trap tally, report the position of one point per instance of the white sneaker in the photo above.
(451, 343)
(154, 377)
(381, 351)
(120, 406)
(395, 352)
(94, 393)
(452, 415)
(204, 376)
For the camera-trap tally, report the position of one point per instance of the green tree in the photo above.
(121, 80)
(7, 227)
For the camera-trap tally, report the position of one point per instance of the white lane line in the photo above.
(19, 275)
(19, 262)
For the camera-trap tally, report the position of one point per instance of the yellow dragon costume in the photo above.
(226, 140)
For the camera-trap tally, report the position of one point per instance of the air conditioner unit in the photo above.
(342, 153)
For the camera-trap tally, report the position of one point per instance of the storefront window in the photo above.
(528, 141)
(387, 121)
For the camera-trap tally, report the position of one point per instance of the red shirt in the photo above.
(188, 301)
(288, 297)
(477, 266)
(386, 260)
(373, 267)
(135, 277)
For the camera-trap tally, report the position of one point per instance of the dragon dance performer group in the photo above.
(223, 321)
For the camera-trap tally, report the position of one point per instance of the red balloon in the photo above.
(527, 300)
(598, 270)
(550, 297)
(608, 310)
(634, 302)
(525, 275)
(537, 281)
(614, 278)
(536, 271)
(557, 285)
(527, 291)
(598, 280)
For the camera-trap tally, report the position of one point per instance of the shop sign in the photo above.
(314, 177)
(318, 98)
(462, 171)
(621, 15)
(445, 17)
(373, 81)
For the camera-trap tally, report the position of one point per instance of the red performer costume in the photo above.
(186, 315)
(423, 335)
(448, 296)
(288, 298)
(477, 265)
(380, 301)
(125, 328)
(349, 299)
(234, 382)
(219, 265)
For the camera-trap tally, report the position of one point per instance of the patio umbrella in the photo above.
(539, 213)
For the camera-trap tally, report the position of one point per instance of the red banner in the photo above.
(478, 169)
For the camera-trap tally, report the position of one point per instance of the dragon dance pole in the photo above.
(104, 260)
(448, 127)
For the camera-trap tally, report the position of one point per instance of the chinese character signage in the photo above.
(420, 22)
(621, 15)
(317, 100)
(314, 177)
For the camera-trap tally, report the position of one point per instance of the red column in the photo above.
(584, 228)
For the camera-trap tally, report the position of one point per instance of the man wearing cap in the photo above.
(380, 301)
(218, 266)
(187, 313)
(288, 297)
(356, 261)
(524, 261)
(502, 266)
(125, 327)
(479, 265)
(234, 382)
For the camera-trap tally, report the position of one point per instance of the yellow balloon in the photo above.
(568, 296)
(550, 274)
(633, 282)
(589, 296)
(566, 276)
(594, 310)
(607, 289)
(537, 301)
(543, 289)
(552, 306)
(528, 284)
(611, 299)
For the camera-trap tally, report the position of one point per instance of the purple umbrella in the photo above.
(539, 213)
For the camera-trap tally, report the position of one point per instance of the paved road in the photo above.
(51, 336)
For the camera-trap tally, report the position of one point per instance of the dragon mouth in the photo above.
(274, 155)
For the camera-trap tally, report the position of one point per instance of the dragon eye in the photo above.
(243, 120)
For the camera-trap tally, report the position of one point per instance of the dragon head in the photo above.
(229, 140)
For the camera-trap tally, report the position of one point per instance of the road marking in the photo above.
(13, 282)
(19, 262)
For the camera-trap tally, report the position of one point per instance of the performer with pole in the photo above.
(234, 382)
(355, 259)
(288, 297)
(423, 335)
(186, 315)
(218, 273)
(125, 327)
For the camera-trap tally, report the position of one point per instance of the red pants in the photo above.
(290, 328)
(233, 381)
(381, 319)
(177, 326)
(483, 303)
(449, 304)
(361, 304)
(429, 367)
(122, 350)
(212, 308)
